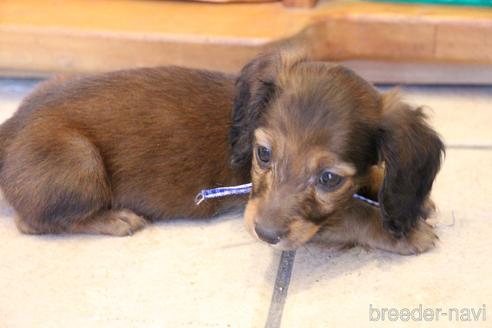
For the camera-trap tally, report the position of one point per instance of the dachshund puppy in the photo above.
(312, 135)
(108, 153)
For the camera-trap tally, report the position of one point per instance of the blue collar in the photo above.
(246, 189)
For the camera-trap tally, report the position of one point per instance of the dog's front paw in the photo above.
(126, 223)
(420, 238)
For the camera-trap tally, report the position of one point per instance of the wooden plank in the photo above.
(45, 52)
(394, 39)
(177, 19)
(46, 36)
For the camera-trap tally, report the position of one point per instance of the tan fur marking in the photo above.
(262, 137)
(249, 217)
(300, 232)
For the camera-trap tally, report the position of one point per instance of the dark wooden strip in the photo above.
(280, 289)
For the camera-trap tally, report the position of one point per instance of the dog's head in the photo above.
(309, 132)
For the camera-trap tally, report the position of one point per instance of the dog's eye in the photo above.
(264, 154)
(330, 180)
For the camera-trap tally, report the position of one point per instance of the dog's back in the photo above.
(141, 140)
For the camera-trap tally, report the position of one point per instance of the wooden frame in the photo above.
(37, 37)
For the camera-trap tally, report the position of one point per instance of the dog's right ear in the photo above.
(256, 87)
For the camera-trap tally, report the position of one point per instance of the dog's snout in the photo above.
(269, 235)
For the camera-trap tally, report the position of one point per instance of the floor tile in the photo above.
(200, 274)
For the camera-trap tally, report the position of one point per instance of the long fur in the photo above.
(108, 153)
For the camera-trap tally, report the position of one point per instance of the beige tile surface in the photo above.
(200, 274)
(211, 273)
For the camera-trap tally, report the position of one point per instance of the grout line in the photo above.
(280, 289)
(470, 147)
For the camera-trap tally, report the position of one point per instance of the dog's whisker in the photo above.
(447, 225)
(308, 251)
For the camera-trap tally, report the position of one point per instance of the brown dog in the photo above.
(106, 153)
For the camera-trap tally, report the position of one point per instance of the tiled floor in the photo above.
(212, 274)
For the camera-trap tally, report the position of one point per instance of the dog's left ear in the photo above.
(256, 87)
(412, 153)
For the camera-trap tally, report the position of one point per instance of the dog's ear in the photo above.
(256, 87)
(412, 153)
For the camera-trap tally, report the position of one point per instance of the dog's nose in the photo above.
(270, 236)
